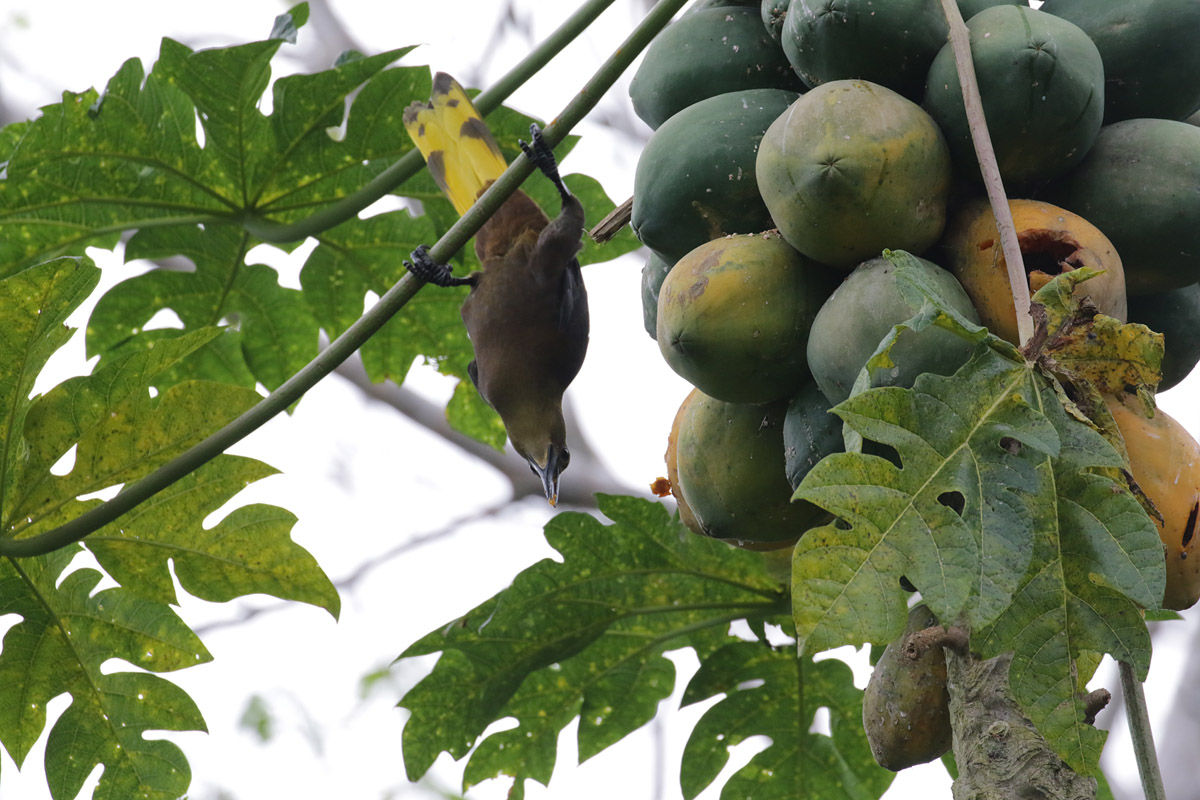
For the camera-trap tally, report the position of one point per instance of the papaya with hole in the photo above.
(1176, 315)
(729, 474)
(1165, 462)
(1151, 61)
(733, 316)
(862, 310)
(695, 181)
(906, 706)
(1052, 240)
(891, 44)
(705, 53)
(853, 168)
(1042, 84)
(1138, 185)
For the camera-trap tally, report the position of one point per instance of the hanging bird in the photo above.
(527, 312)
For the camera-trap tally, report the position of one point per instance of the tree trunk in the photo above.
(1000, 754)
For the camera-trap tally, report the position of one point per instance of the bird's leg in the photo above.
(543, 158)
(430, 271)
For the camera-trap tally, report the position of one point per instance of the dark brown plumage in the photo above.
(527, 312)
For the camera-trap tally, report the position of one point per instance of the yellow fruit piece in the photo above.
(1052, 241)
(1165, 461)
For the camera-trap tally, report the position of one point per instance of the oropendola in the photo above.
(527, 313)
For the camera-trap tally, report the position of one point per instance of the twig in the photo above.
(957, 639)
(1139, 730)
(960, 41)
(616, 219)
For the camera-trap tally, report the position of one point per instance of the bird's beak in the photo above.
(549, 476)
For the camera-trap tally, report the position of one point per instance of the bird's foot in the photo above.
(430, 271)
(543, 158)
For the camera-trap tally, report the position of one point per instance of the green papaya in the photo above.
(653, 274)
(1138, 185)
(734, 314)
(890, 43)
(906, 707)
(810, 432)
(853, 168)
(730, 473)
(1150, 53)
(1176, 315)
(860, 312)
(1042, 84)
(695, 178)
(707, 53)
(773, 13)
(705, 5)
(969, 8)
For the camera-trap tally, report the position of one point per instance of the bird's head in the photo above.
(543, 443)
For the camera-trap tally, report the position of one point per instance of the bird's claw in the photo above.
(424, 267)
(542, 157)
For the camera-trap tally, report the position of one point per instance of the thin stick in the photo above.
(1140, 732)
(960, 42)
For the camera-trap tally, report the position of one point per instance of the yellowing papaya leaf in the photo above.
(1087, 346)
(581, 638)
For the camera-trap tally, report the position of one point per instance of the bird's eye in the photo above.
(564, 459)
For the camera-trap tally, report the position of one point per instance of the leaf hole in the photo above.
(821, 722)
(65, 464)
(883, 451)
(906, 584)
(841, 524)
(955, 501)
(1011, 445)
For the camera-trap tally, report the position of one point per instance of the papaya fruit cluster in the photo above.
(795, 140)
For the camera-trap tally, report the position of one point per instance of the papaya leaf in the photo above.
(119, 430)
(583, 637)
(953, 517)
(769, 692)
(34, 304)
(65, 635)
(1087, 346)
(1097, 558)
(249, 551)
(278, 334)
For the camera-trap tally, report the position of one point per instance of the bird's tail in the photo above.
(458, 147)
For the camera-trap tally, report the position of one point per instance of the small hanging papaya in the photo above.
(906, 707)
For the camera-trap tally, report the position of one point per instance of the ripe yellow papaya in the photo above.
(1052, 239)
(1165, 461)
